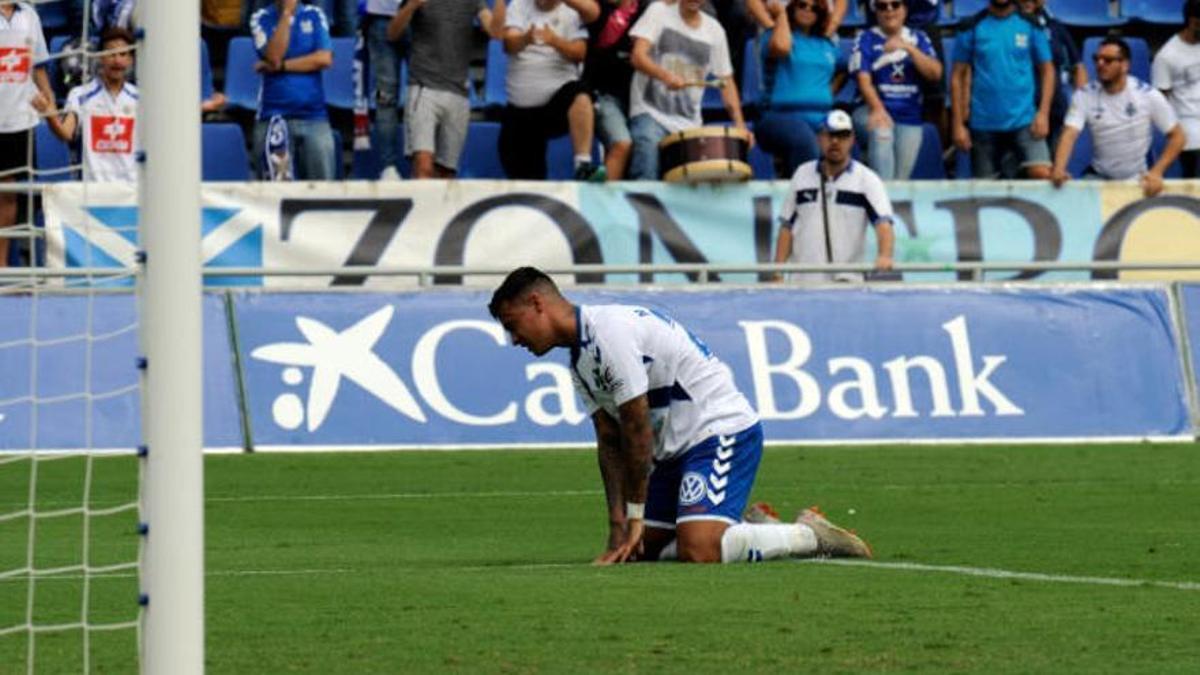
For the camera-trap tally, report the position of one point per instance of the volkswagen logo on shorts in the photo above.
(692, 488)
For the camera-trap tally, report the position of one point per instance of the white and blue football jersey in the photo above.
(624, 351)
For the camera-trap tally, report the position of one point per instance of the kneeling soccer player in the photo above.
(678, 444)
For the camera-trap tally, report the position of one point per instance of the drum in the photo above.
(707, 154)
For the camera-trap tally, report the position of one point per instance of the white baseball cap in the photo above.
(837, 120)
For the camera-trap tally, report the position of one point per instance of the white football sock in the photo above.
(580, 160)
(752, 542)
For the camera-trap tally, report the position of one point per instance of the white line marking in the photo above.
(993, 573)
(409, 495)
(214, 573)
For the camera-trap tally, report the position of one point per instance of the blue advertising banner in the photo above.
(1189, 294)
(69, 378)
(428, 369)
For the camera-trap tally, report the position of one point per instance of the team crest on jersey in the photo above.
(112, 133)
(1130, 109)
(306, 26)
(15, 63)
(692, 488)
(1022, 40)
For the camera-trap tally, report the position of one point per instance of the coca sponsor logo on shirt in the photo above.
(111, 133)
(15, 63)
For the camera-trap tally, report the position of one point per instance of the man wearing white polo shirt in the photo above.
(22, 73)
(830, 203)
(1119, 108)
(1176, 71)
(102, 114)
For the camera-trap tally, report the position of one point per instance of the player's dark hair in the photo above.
(1120, 44)
(519, 282)
(1191, 10)
(116, 33)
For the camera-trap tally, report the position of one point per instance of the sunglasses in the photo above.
(1106, 59)
(888, 6)
(805, 5)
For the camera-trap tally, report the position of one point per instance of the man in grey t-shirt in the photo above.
(437, 112)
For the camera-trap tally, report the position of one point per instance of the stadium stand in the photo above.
(1165, 12)
(855, 18)
(1081, 154)
(849, 91)
(223, 152)
(338, 79)
(929, 164)
(51, 155)
(494, 95)
(1085, 13)
(1139, 65)
(479, 157)
(241, 80)
(751, 87)
(55, 16)
(964, 9)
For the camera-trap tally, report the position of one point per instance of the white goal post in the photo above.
(170, 296)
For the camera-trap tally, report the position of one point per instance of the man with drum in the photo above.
(829, 204)
(676, 49)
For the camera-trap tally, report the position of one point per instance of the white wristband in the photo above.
(635, 511)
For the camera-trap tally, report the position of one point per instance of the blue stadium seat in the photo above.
(55, 16)
(494, 95)
(1139, 65)
(338, 79)
(964, 9)
(929, 160)
(241, 81)
(1174, 170)
(751, 74)
(1167, 12)
(1085, 13)
(223, 152)
(206, 76)
(51, 154)
(54, 67)
(481, 155)
(1081, 154)
(855, 17)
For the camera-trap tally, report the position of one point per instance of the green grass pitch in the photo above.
(414, 562)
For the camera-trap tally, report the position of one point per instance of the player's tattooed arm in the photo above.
(637, 442)
(612, 473)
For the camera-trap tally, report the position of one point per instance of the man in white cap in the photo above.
(830, 202)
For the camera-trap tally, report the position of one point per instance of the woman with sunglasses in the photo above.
(801, 73)
(889, 62)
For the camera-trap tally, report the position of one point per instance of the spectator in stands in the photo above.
(890, 60)
(438, 112)
(676, 48)
(801, 74)
(294, 46)
(828, 206)
(546, 42)
(343, 14)
(1176, 71)
(608, 72)
(1068, 66)
(102, 113)
(993, 87)
(1120, 110)
(385, 56)
(763, 14)
(23, 56)
(112, 14)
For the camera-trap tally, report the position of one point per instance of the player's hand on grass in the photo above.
(630, 549)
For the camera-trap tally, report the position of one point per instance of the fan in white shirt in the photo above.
(103, 113)
(1120, 109)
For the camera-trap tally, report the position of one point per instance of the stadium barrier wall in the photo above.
(492, 223)
(427, 369)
